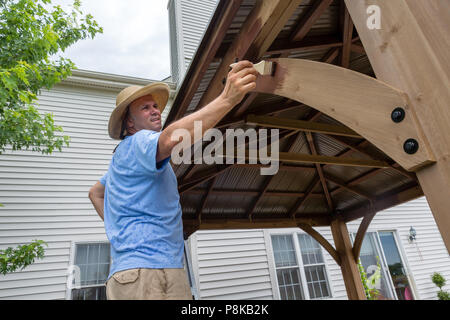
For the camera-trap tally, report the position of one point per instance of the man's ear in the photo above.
(130, 122)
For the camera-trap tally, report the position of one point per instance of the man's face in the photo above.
(144, 114)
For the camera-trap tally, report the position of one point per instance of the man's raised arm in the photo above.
(241, 80)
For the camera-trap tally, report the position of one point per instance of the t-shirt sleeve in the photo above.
(146, 147)
(103, 179)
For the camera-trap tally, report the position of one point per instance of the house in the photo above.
(45, 197)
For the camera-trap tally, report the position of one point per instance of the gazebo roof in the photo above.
(313, 193)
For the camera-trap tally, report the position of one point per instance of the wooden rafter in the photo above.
(260, 223)
(309, 19)
(309, 191)
(402, 194)
(259, 30)
(209, 173)
(309, 43)
(269, 180)
(307, 126)
(266, 109)
(362, 231)
(250, 193)
(323, 182)
(205, 199)
(346, 39)
(320, 239)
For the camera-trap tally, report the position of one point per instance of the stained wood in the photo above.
(349, 268)
(307, 126)
(321, 240)
(410, 52)
(360, 102)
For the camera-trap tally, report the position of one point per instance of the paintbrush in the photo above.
(263, 67)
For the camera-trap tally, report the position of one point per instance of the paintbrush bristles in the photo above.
(263, 67)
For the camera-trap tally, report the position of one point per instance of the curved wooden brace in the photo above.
(320, 239)
(362, 232)
(360, 102)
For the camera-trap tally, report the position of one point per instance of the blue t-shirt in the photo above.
(142, 211)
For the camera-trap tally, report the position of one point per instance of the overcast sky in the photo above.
(135, 39)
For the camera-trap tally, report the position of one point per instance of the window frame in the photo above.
(294, 233)
(383, 260)
(73, 248)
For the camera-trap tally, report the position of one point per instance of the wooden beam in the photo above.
(321, 240)
(309, 19)
(347, 33)
(269, 180)
(250, 193)
(265, 109)
(410, 52)
(309, 191)
(309, 43)
(263, 24)
(318, 220)
(205, 199)
(359, 149)
(323, 182)
(331, 55)
(385, 201)
(360, 102)
(338, 161)
(307, 126)
(361, 233)
(345, 186)
(349, 268)
(299, 158)
(209, 173)
(358, 48)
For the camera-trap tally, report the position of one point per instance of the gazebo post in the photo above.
(410, 52)
(349, 267)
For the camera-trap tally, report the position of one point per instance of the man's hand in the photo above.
(241, 80)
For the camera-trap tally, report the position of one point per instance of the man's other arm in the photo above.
(97, 196)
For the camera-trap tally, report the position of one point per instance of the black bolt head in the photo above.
(398, 115)
(411, 146)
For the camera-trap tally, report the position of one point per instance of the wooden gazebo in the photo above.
(363, 112)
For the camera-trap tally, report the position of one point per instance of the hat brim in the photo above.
(160, 93)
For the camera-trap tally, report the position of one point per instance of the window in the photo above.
(382, 247)
(300, 267)
(93, 260)
(396, 267)
(314, 267)
(287, 269)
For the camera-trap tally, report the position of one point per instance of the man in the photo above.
(138, 197)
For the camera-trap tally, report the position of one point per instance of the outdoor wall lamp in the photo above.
(412, 234)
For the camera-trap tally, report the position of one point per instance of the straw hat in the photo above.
(158, 90)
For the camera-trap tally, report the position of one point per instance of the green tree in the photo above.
(33, 36)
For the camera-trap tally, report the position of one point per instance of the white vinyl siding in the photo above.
(189, 20)
(231, 265)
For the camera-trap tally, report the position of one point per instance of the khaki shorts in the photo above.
(149, 284)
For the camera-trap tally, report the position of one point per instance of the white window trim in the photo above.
(294, 232)
(73, 245)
